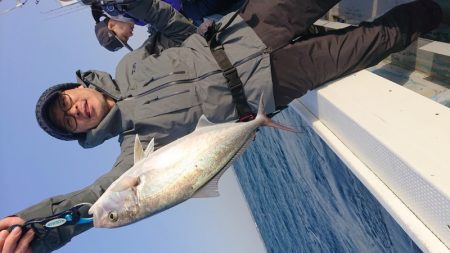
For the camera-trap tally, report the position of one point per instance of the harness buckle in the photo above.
(212, 30)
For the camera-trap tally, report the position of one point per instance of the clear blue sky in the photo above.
(38, 50)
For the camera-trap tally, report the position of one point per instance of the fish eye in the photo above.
(113, 216)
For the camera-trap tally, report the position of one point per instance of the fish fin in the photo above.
(204, 122)
(261, 105)
(126, 183)
(138, 150)
(267, 121)
(210, 189)
(150, 148)
(240, 152)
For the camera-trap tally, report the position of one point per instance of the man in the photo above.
(163, 96)
(113, 34)
(113, 31)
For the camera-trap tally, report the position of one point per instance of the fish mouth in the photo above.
(94, 212)
(91, 210)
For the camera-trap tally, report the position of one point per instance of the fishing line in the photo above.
(65, 7)
(67, 12)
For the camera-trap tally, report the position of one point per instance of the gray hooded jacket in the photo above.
(162, 96)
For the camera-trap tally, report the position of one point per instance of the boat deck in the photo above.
(395, 140)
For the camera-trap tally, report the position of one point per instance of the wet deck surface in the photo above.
(423, 67)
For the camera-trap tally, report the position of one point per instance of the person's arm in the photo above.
(157, 42)
(62, 235)
(163, 18)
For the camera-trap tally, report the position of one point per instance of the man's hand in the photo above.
(203, 28)
(14, 241)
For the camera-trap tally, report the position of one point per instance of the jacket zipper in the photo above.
(165, 85)
(166, 75)
(166, 96)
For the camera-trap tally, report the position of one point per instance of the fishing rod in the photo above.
(62, 7)
(65, 4)
(19, 4)
(68, 3)
(62, 12)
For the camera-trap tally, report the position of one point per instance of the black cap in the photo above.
(42, 113)
(107, 38)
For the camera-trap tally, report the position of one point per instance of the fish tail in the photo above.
(270, 123)
(266, 121)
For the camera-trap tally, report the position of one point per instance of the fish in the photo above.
(188, 167)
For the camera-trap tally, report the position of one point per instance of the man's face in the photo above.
(123, 30)
(80, 109)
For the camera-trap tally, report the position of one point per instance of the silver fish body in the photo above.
(175, 172)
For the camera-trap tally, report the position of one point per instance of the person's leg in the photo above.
(278, 21)
(307, 64)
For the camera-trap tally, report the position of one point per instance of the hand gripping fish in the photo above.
(188, 167)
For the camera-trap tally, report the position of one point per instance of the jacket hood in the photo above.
(100, 81)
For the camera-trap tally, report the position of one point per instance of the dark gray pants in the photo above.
(313, 61)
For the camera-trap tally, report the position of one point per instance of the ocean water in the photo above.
(304, 198)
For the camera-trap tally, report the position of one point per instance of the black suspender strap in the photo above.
(229, 71)
(234, 84)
